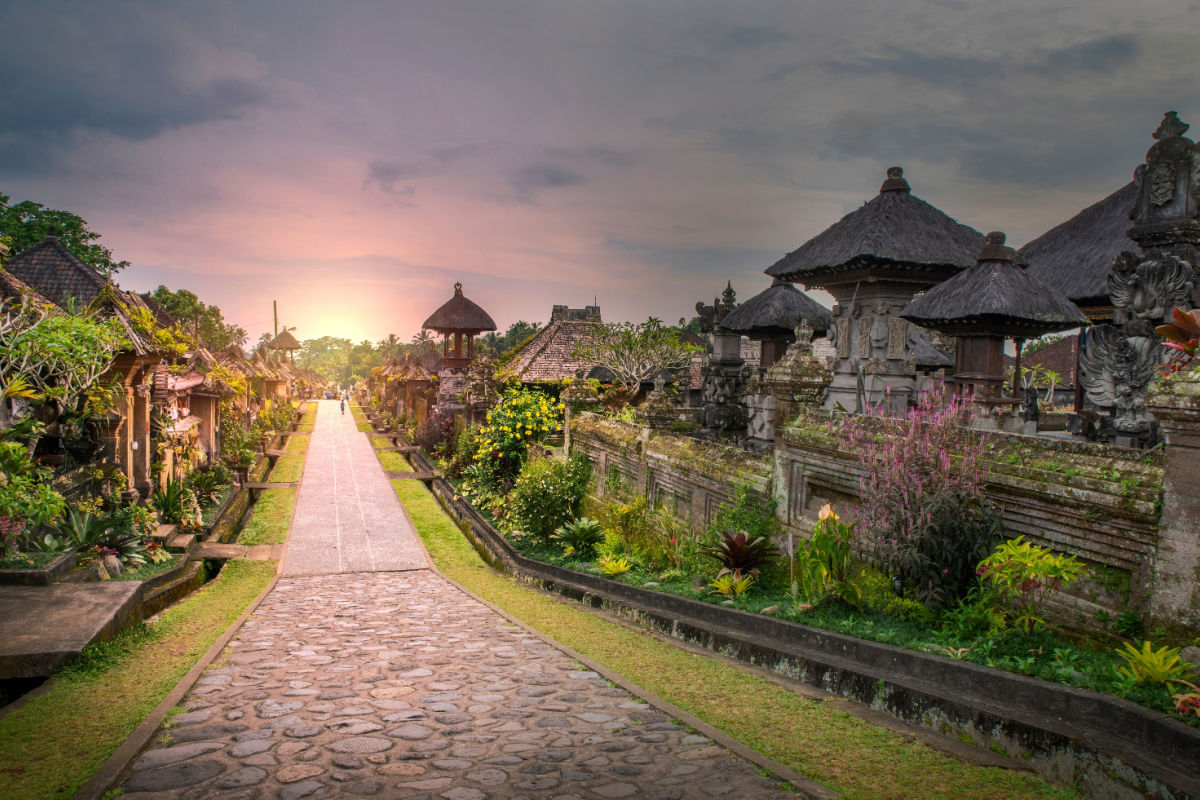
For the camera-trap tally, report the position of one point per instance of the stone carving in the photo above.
(880, 334)
(1029, 404)
(1115, 371)
(842, 339)
(864, 337)
(1144, 291)
(897, 338)
(876, 366)
(711, 316)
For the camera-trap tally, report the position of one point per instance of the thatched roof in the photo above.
(285, 341)
(775, 312)
(459, 315)
(12, 287)
(895, 229)
(926, 355)
(549, 355)
(995, 297)
(1076, 256)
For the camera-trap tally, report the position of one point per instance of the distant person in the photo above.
(343, 407)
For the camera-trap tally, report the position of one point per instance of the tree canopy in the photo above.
(27, 223)
(635, 352)
(190, 311)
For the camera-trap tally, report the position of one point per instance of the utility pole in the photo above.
(275, 312)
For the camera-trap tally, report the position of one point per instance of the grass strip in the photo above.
(816, 738)
(53, 744)
(272, 513)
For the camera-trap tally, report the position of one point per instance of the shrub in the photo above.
(823, 565)
(740, 553)
(1024, 577)
(580, 537)
(548, 493)
(925, 517)
(168, 499)
(748, 512)
(522, 417)
(731, 584)
(614, 566)
(208, 482)
(629, 525)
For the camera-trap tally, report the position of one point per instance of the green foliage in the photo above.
(28, 223)
(521, 418)
(824, 564)
(1024, 577)
(613, 566)
(26, 496)
(579, 537)
(1151, 665)
(548, 493)
(635, 353)
(628, 524)
(189, 311)
(732, 584)
(741, 553)
(168, 499)
(746, 511)
(207, 482)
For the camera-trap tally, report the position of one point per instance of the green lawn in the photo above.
(271, 515)
(816, 738)
(53, 744)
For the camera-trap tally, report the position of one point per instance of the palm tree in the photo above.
(423, 341)
(391, 347)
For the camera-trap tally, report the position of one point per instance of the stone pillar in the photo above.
(797, 380)
(1175, 596)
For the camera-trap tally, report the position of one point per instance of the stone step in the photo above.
(179, 541)
(164, 531)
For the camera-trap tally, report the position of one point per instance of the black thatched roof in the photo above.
(1076, 256)
(459, 315)
(776, 311)
(894, 229)
(995, 297)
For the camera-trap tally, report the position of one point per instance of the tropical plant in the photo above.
(579, 537)
(824, 564)
(740, 553)
(1182, 335)
(25, 491)
(208, 482)
(548, 493)
(1024, 577)
(521, 418)
(732, 584)
(168, 499)
(1187, 702)
(1148, 664)
(628, 524)
(613, 566)
(83, 531)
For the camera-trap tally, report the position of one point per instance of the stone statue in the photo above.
(1116, 370)
(1145, 290)
(1029, 404)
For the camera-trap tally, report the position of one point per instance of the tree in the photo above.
(27, 223)
(190, 311)
(328, 356)
(635, 353)
(391, 347)
(423, 341)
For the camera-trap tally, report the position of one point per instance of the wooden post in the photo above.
(1019, 342)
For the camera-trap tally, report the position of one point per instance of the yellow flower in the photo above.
(827, 513)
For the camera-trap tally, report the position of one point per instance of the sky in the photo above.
(353, 160)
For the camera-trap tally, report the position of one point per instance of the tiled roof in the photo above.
(14, 287)
(549, 355)
(57, 273)
(1059, 357)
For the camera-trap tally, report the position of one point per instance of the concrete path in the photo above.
(386, 680)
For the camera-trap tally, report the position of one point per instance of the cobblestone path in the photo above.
(397, 684)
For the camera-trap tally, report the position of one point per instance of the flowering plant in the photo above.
(1182, 335)
(521, 418)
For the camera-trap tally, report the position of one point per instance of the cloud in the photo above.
(527, 181)
(602, 156)
(437, 161)
(129, 76)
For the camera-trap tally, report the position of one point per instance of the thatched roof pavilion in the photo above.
(988, 303)
(459, 317)
(1076, 256)
(771, 317)
(896, 231)
(873, 261)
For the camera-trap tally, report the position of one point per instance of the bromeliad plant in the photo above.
(732, 584)
(740, 553)
(1182, 335)
(1024, 577)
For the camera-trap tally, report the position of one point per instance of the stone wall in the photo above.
(1102, 504)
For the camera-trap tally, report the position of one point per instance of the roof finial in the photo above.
(52, 232)
(995, 249)
(457, 287)
(895, 181)
(1171, 127)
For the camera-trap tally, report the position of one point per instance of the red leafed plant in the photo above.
(1183, 335)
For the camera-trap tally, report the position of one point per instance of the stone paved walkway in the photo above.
(362, 682)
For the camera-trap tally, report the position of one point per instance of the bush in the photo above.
(548, 493)
(747, 512)
(923, 512)
(741, 554)
(936, 561)
(521, 418)
(580, 537)
(1024, 577)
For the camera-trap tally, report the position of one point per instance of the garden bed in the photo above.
(1101, 742)
(43, 569)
